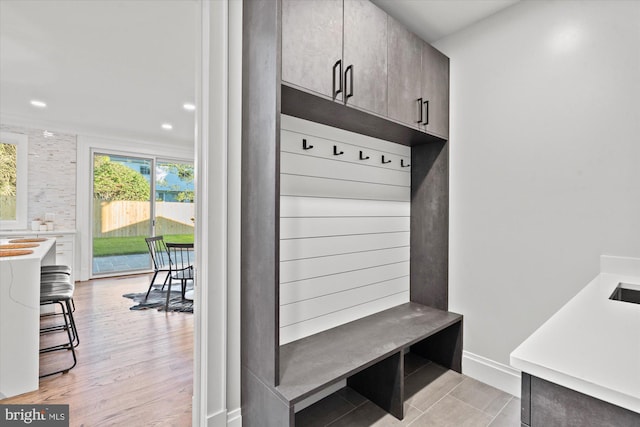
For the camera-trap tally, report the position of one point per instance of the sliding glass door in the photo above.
(124, 211)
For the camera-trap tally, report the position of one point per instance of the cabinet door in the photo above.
(435, 90)
(365, 50)
(311, 43)
(405, 57)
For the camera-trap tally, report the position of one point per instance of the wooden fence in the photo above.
(129, 218)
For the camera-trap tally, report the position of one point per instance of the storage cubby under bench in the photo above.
(369, 352)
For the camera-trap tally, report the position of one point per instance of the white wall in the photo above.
(51, 175)
(545, 161)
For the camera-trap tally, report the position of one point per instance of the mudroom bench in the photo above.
(368, 353)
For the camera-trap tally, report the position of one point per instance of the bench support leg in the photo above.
(443, 348)
(383, 384)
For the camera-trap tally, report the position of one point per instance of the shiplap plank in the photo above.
(293, 185)
(294, 206)
(323, 285)
(319, 324)
(299, 128)
(291, 249)
(316, 307)
(344, 227)
(294, 228)
(303, 165)
(313, 267)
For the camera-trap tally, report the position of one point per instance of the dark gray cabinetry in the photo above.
(365, 51)
(548, 404)
(289, 50)
(405, 52)
(312, 44)
(435, 91)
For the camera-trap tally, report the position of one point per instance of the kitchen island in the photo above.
(582, 366)
(20, 318)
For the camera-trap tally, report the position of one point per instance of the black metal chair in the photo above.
(160, 258)
(181, 259)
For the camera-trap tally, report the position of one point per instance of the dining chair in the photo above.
(160, 258)
(181, 259)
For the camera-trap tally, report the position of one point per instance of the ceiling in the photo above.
(432, 20)
(123, 68)
(106, 67)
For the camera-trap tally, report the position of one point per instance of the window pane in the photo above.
(121, 213)
(8, 181)
(175, 208)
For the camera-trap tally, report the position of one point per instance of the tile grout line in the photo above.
(500, 411)
(472, 407)
(437, 401)
(348, 412)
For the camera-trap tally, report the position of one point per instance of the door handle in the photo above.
(339, 89)
(349, 71)
(419, 100)
(426, 112)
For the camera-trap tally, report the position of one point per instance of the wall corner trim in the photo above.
(490, 372)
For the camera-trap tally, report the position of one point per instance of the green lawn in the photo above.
(105, 246)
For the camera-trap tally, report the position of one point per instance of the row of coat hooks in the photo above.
(306, 146)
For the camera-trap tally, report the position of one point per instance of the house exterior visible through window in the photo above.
(13, 181)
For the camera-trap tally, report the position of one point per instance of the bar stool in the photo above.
(64, 269)
(60, 281)
(60, 293)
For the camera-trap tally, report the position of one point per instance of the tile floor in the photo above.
(435, 397)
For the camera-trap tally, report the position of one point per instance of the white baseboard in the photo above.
(219, 419)
(225, 419)
(490, 372)
(234, 418)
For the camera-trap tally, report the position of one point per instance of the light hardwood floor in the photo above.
(135, 368)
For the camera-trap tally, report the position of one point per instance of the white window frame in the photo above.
(22, 186)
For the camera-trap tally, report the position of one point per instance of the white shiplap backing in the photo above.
(344, 227)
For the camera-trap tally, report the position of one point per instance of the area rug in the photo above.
(158, 298)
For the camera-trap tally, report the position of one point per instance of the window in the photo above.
(13, 181)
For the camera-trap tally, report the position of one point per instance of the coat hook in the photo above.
(305, 146)
(335, 151)
(362, 157)
(385, 162)
(403, 165)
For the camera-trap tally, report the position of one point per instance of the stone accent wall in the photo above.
(52, 175)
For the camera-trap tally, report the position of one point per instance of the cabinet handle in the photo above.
(349, 70)
(419, 100)
(339, 90)
(426, 112)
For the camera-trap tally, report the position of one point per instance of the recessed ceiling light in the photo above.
(47, 134)
(189, 107)
(167, 126)
(38, 104)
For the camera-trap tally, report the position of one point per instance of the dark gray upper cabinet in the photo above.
(435, 91)
(404, 82)
(351, 51)
(365, 51)
(311, 43)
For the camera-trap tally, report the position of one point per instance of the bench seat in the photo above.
(369, 353)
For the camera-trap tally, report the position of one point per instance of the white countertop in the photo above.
(9, 233)
(39, 251)
(592, 344)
